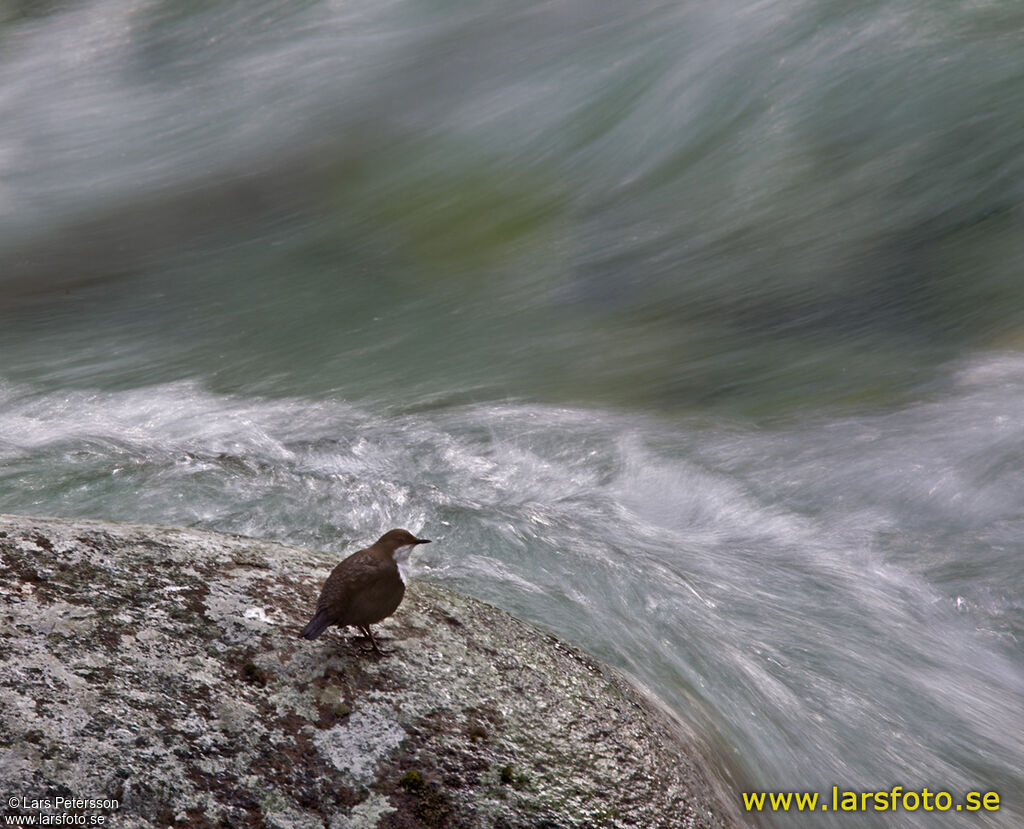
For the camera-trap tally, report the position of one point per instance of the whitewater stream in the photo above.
(690, 331)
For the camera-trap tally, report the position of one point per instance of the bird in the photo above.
(364, 589)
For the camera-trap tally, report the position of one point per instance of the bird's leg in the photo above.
(373, 642)
(365, 630)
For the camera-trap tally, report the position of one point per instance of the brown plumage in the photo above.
(364, 589)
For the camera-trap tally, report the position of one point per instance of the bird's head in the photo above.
(394, 540)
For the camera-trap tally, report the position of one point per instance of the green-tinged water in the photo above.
(686, 329)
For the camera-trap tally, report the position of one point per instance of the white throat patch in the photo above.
(402, 560)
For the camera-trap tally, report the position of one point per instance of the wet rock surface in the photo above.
(160, 668)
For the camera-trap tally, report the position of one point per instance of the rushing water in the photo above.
(686, 329)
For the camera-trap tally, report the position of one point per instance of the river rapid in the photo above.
(689, 331)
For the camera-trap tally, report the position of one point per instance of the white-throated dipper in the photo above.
(364, 589)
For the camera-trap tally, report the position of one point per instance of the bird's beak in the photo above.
(422, 540)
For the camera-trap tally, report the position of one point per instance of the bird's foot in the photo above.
(374, 647)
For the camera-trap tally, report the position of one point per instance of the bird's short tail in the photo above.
(317, 625)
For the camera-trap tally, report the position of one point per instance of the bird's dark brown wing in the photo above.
(362, 589)
(377, 601)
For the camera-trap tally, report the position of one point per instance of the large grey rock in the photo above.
(160, 668)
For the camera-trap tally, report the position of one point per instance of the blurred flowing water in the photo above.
(689, 330)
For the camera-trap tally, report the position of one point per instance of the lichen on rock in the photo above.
(160, 668)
